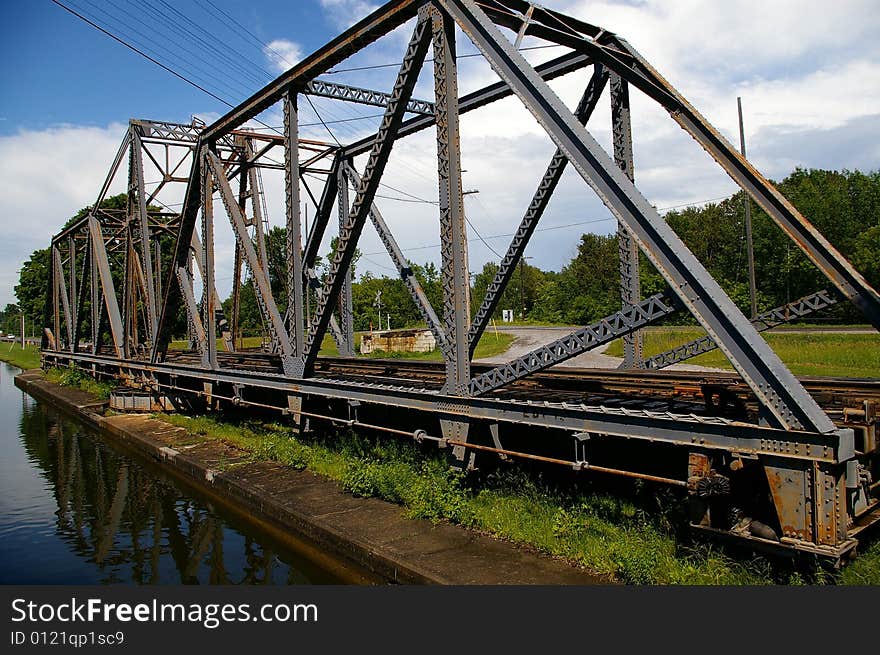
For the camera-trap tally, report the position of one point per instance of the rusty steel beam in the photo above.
(360, 35)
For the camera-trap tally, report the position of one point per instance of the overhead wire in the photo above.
(143, 54)
(262, 44)
(192, 59)
(132, 17)
(231, 61)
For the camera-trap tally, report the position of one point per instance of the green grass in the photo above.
(865, 570)
(490, 344)
(840, 355)
(77, 379)
(631, 540)
(24, 358)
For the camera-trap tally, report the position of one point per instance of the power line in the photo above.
(192, 57)
(155, 61)
(334, 71)
(480, 237)
(323, 122)
(257, 39)
(498, 236)
(143, 54)
(209, 44)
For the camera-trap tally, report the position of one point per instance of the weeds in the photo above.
(73, 377)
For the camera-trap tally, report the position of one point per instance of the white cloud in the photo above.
(347, 12)
(283, 54)
(48, 176)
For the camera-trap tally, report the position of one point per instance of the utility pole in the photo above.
(522, 293)
(522, 286)
(378, 304)
(22, 330)
(750, 247)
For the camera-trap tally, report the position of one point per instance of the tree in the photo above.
(522, 293)
(33, 284)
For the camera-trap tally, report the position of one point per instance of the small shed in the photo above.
(398, 341)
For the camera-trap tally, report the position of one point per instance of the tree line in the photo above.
(843, 205)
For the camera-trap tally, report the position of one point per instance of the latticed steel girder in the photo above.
(351, 229)
(775, 317)
(536, 209)
(603, 331)
(356, 94)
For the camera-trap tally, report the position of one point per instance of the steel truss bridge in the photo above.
(796, 458)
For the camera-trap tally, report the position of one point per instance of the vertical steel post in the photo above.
(157, 273)
(111, 303)
(630, 287)
(143, 218)
(453, 234)
(296, 318)
(209, 356)
(243, 177)
(127, 294)
(95, 298)
(80, 297)
(236, 297)
(71, 249)
(346, 314)
(750, 245)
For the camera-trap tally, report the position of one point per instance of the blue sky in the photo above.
(57, 69)
(808, 72)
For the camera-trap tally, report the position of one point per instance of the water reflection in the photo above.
(76, 511)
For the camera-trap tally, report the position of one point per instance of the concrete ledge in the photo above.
(372, 533)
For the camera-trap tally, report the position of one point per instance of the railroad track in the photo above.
(697, 391)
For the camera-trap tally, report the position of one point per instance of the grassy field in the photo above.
(842, 355)
(490, 344)
(26, 358)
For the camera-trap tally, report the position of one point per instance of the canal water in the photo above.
(75, 510)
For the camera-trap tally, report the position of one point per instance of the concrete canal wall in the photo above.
(372, 533)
